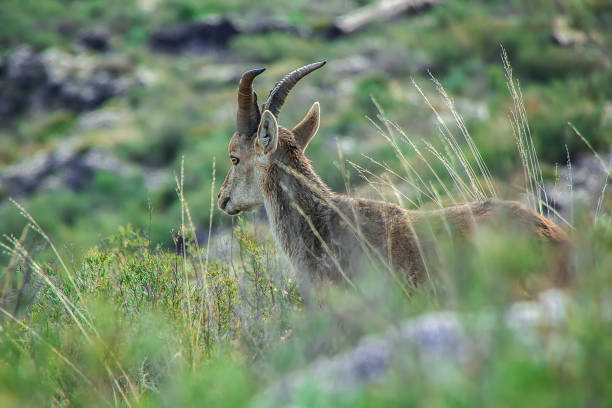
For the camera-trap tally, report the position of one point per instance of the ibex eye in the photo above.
(235, 160)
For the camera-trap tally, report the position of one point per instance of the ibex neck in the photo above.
(296, 202)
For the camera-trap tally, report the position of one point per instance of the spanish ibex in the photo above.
(325, 234)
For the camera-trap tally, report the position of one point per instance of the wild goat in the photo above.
(325, 234)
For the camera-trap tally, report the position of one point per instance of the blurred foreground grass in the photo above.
(131, 324)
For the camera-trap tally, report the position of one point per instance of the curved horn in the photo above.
(277, 96)
(247, 117)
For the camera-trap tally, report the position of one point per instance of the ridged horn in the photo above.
(277, 96)
(248, 114)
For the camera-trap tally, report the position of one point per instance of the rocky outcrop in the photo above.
(585, 183)
(21, 74)
(67, 167)
(199, 36)
(55, 79)
(94, 40)
(214, 33)
(438, 341)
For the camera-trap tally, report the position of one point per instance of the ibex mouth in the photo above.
(239, 210)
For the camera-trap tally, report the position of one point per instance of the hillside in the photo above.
(122, 283)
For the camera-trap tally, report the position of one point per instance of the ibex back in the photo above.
(325, 234)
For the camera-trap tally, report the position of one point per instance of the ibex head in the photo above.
(259, 140)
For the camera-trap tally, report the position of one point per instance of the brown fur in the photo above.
(327, 235)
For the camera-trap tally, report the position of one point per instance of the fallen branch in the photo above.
(383, 10)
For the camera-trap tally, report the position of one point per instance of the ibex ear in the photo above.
(267, 133)
(307, 128)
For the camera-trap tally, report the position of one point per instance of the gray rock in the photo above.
(66, 167)
(21, 73)
(58, 80)
(211, 32)
(436, 340)
(214, 33)
(25, 68)
(220, 74)
(582, 185)
(431, 336)
(99, 119)
(94, 40)
(354, 65)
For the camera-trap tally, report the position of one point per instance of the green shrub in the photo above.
(57, 124)
(57, 23)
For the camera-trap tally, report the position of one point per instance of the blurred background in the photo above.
(100, 99)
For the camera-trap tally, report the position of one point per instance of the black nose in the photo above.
(223, 203)
(219, 195)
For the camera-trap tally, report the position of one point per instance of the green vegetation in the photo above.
(118, 294)
(132, 324)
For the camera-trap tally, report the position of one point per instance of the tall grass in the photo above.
(469, 175)
(532, 172)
